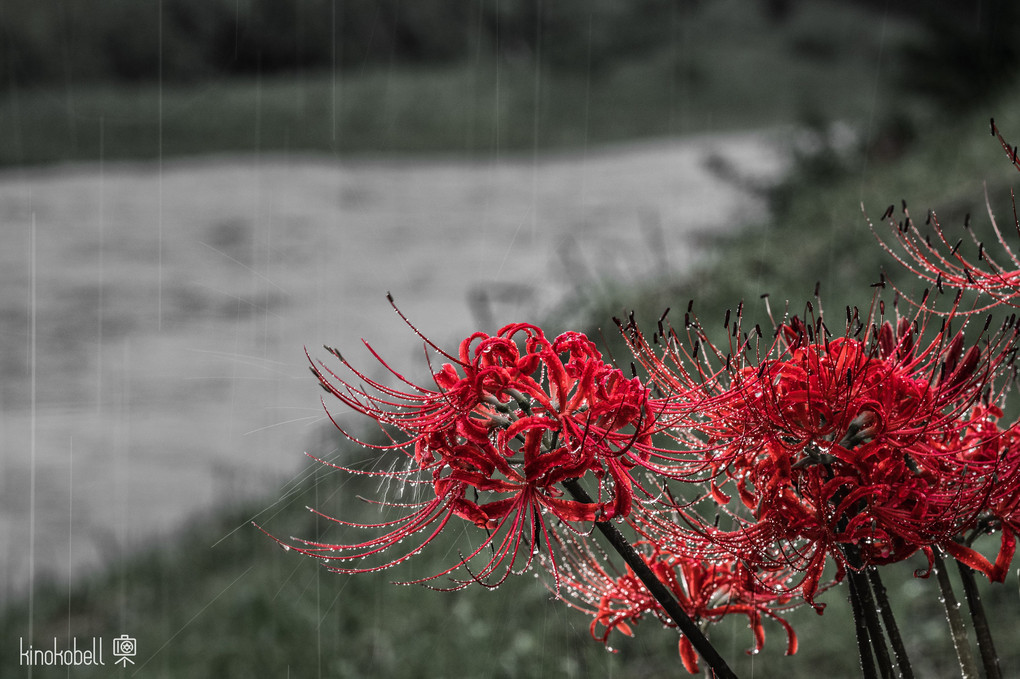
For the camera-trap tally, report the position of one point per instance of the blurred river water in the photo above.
(153, 316)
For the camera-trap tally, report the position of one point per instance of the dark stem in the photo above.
(891, 628)
(989, 658)
(861, 628)
(968, 669)
(655, 587)
(866, 621)
(859, 582)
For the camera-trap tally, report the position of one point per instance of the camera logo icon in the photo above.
(125, 648)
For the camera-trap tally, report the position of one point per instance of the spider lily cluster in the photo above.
(869, 442)
(750, 474)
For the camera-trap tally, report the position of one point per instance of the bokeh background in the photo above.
(193, 191)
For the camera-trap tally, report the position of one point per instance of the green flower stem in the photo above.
(658, 590)
(968, 669)
(989, 658)
(891, 628)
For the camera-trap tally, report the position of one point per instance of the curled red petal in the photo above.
(688, 655)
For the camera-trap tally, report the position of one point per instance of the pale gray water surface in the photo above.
(153, 319)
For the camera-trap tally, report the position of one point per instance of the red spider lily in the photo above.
(706, 590)
(829, 444)
(941, 264)
(508, 419)
(789, 565)
(991, 455)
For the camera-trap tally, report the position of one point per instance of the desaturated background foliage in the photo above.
(864, 102)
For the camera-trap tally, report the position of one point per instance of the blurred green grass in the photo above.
(222, 600)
